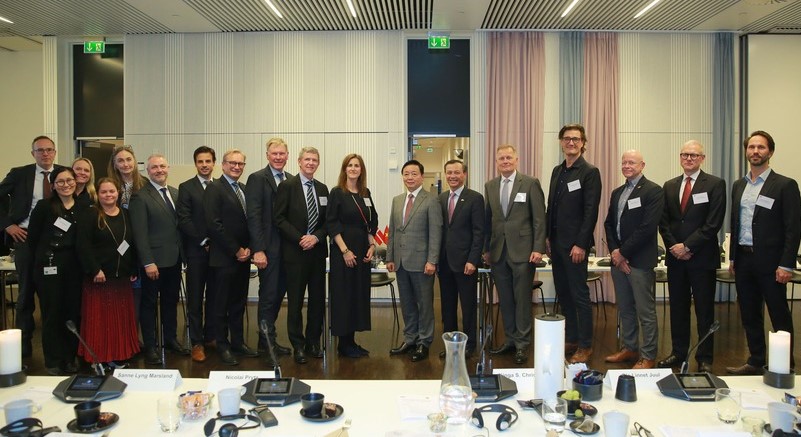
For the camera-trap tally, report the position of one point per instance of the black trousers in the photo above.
(200, 283)
(570, 281)
(231, 288)
(163, 292)
(310, 273)
(26, 304)
(457, 288)
(687, 286)
(272, 289)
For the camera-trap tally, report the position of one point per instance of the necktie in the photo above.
(685, 196)
(239, 196)
(451, 207)
(205, 184)
(280, 177)
(409, 206)
(621, 204)
(311, 206)
(47, 190)
(167, 199)
(505, 197)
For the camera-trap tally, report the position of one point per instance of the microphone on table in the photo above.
(276, 367)
(685, 365)
(482, 361)
(96, 365)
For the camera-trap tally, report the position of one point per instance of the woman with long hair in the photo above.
(352, 220)
(108, 259)
(123, 168)
(85, 193)
(56, 271)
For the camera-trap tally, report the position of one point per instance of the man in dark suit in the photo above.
(23, 187)
(300, 215)
(515, 242)
(572, 213)
(415, 232)
(158, 244)
(460, 256)
(631, 226)
(695, 204)
(765, 232)
(265, 240)
(199, 281)
(229, 256)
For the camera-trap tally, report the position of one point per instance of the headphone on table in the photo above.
(28, 427)
(230, 429)
(507, 418)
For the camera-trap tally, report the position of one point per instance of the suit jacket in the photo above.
(260, 193)
(638, 225)
(191, 217)
(18, 185)
(577, 208)
(226, 222)
(522, 230)
(418, 241)
(776, 230)
(292, 218)
(463, 237)
(155, 227)
(698, 227)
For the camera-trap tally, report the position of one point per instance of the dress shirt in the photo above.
(413, 193)
(748, 205)
(38, 186)
(684, 177)
(158, 189)
(624, 197)
(204, 182)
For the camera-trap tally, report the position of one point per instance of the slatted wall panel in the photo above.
(50, 88)
(480, 159)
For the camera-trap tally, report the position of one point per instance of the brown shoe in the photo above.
(570, 348)
(622, 356)
(745, 369)
(198, 353)
(582, 355)
(644, 363)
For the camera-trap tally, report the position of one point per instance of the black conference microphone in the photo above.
(96, 365)
(276, 366)
(685, 365)
(482, 364)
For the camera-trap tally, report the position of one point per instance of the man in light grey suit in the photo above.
(513, 244)
(415, 232)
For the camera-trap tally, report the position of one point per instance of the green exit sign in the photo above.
(439, 42)
(94, 47)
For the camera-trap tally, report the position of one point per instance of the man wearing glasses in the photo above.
(23, 187)
(695, 204)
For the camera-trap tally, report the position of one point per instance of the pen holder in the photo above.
(778, 380)
(12, 379)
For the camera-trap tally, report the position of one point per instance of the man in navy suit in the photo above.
(631, 225)
(765, 232)
(199, 281)
(460, 256)
(24, 187)
(695, 204)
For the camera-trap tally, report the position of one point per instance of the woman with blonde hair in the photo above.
(123, 168)
(85, 193)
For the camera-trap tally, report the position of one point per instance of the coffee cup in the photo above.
(782, 416)
(20, 409)
(616, 424)
(87, 414)
(229, 398)
(312, 404)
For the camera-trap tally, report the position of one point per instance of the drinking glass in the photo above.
(169, 414)
(554, 414)
(727, 403)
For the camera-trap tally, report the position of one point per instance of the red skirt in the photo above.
(108, 323)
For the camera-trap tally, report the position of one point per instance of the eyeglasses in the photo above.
(46, 151)
(642, 431)
(235, 164)
(574, 140)
(690, 156)
(64, 182)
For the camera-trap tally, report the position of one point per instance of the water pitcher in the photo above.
(455, 393)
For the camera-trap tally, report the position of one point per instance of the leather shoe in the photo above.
(671, 361)
(350, 352)
(521, 356)
(244, 350)
(505, 349)
(362, 350)
(280, 350)
(300, 357)
(176, 347)
(420, 353)
(228, 358)
(69, 368)
(442, 355)
(198, 353)
(705, 367)
(152, 357)
(582, 355)
(54, 371)
(314, 351)
(745, 369)
(571, 348)
(404, 348)
(621, 356)
(644, 363)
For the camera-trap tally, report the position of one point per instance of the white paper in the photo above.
(412, 407)
(765, 202)
(520, 197)
(634, 203)
(755, 399)
(323, 201)
(644, 379)
(700, 198)
(220, 379)
(574, 185)
(165, 380)
(62, 224)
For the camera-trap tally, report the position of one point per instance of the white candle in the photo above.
(10, 351)
(779, 352)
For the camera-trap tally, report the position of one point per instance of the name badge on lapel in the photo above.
(634, 203)
(323, 201)
(765, 202)
(574, 185)
(520, 197)
(700, 198)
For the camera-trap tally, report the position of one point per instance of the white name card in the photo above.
(643, 378)
(149, 379)
(219, 380)
(524, 378)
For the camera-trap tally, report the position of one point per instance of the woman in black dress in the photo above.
(352, 220)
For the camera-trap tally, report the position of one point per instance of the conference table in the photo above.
(377, 408)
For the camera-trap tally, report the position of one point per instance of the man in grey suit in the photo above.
(513, 244)
(415, 232)
(158, 244)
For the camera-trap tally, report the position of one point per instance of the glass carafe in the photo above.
(455, 393)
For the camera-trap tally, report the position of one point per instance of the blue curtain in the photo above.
(571, 72)
(725, 147)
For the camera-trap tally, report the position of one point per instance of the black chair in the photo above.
(725, 277)
(380, 279)
(661, 277)
(595, 279)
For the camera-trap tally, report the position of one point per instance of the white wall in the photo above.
(21, 114)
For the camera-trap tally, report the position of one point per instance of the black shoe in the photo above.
(300, 356)
(54, 371)
(671, 361)
(404, 348)
(244, 350)
(314, 351)
(705, 367)
(521, 356)
(118, 364)
(362, 350)
(505, 349)
(280, 350)
(152, 357)
(228, 358)
(745, 369)
(420, 353)
(69, 368)
(442, 355)
(176, 347)
(350, 352)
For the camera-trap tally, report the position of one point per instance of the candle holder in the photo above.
(12, 379)
(778, 380)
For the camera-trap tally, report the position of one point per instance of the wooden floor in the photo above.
(730, 349)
